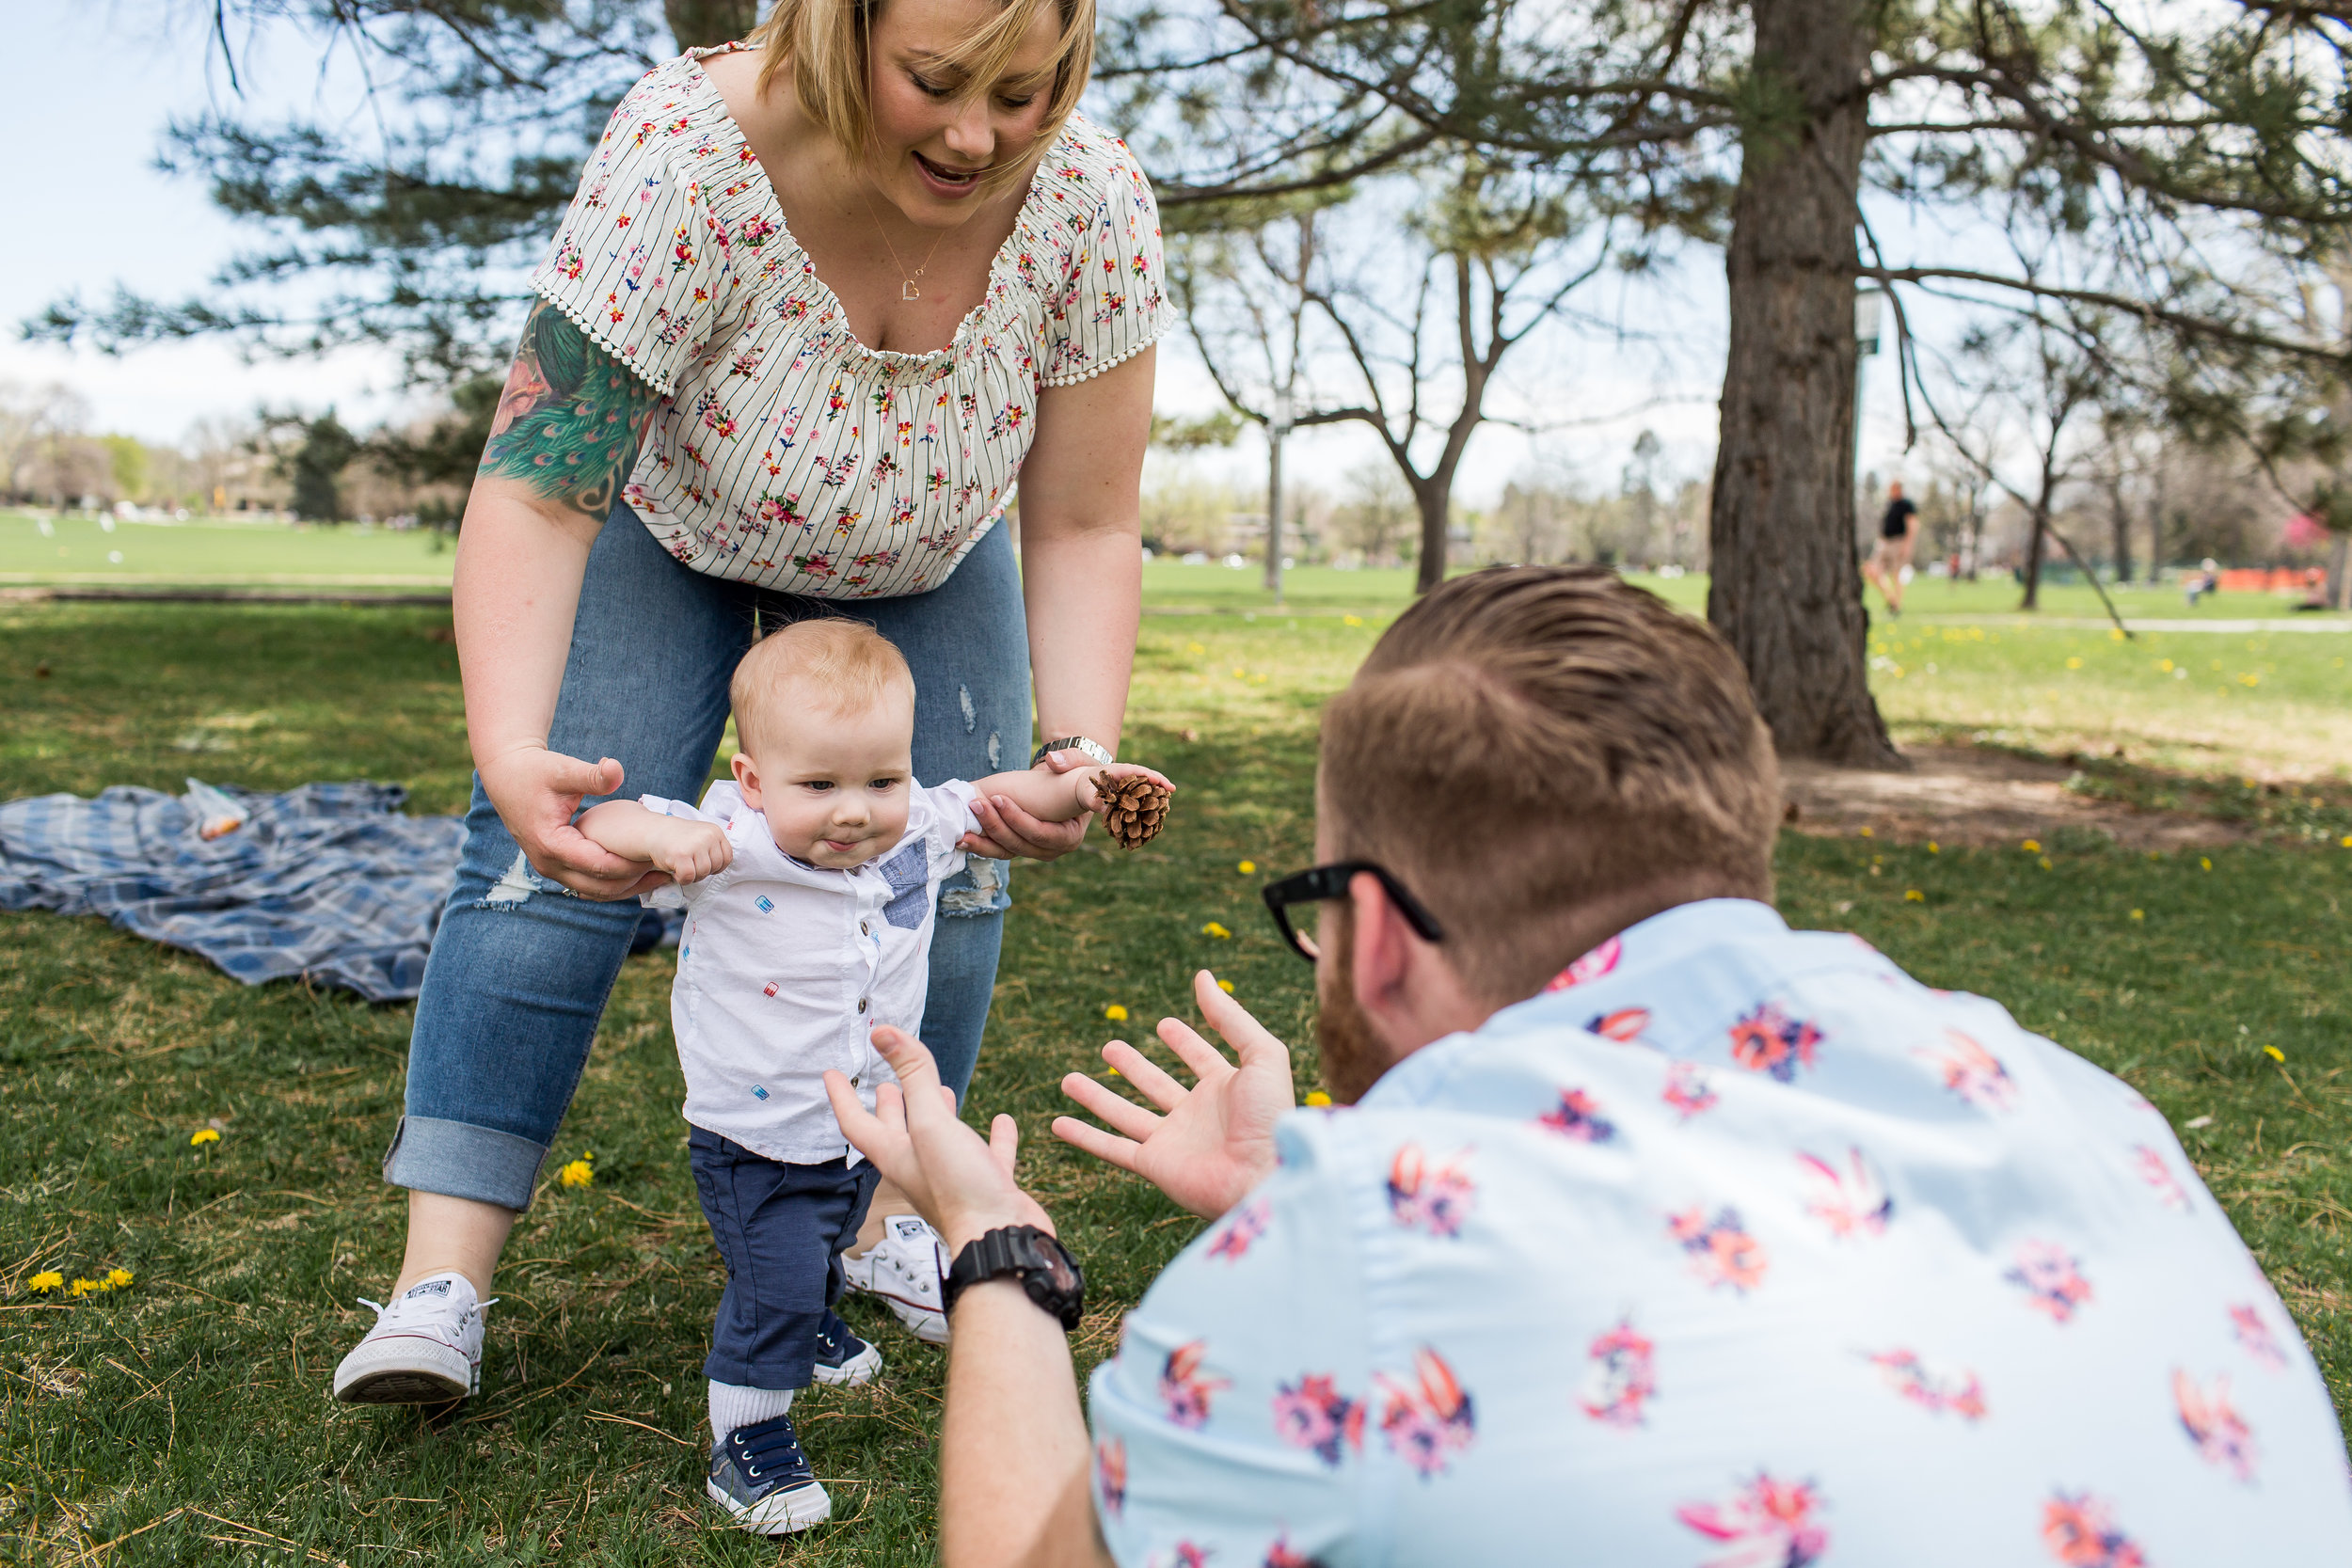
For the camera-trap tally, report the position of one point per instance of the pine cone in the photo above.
(1133, 808)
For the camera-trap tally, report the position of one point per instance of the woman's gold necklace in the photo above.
(906, 280)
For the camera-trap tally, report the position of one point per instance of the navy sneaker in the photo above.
(760, 1475)
(843, 1358)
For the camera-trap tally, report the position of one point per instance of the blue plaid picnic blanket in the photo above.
(328, 879)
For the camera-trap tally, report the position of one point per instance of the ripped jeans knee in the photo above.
(517, 886)
(982, 887)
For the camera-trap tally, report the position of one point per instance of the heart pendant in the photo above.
(908, 290)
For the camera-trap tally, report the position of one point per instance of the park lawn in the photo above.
(2269, 705)
(79, 551)
(246, 1253)
(222, 553)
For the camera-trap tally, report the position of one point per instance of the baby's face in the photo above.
(835, 787)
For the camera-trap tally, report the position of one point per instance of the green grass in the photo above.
(200, 1388)
(81, 550)
(219, 552)
(2273, 705)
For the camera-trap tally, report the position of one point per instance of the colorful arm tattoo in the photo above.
(570, 419)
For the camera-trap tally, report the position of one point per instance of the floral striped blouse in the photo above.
(785, 452)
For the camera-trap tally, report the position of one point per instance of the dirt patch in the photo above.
(1962, 795)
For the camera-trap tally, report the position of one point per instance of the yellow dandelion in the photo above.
(1913, 896)
(1248, 868)
(2073, 664)
(204, 1135)
(2115, 634)
(578, 1173)
(2031, 847)
(2165, 665)
(1195, 648)
(116, 1279)
(1113, 1072)
(2348, 840)
(1316, 1096)
(2270, 1051)
(2204, 862)
(1864, 832)
(1116, 1013)
(1214, 929)
(45, 1281)
(2045, 863)
(1934, 848)
(1225, 986)
(1351, 619)
(83, 1287)
(1239, 673)
(2140, 914)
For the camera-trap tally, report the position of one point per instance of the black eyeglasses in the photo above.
(1325, 882)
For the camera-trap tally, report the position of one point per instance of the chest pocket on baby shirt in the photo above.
(908, 872)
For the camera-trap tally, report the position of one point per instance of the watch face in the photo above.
(1049, 1276)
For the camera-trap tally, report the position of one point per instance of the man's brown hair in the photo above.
(1543, 755)
(826, 664)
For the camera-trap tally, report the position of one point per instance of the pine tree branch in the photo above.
(2182, 321)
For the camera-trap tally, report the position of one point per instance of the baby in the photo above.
(809, 884)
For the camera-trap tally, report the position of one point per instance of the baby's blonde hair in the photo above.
(831, 665)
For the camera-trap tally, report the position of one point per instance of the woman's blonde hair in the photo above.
(823, 42)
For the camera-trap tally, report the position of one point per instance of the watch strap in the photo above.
(1093, 749)
(1035, 1257)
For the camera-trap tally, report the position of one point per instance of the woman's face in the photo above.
(935, 134)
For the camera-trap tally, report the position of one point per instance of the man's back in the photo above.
(1788, 1259)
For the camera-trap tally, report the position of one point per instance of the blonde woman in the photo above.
(820, 298)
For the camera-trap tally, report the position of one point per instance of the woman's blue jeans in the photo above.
(520, 967)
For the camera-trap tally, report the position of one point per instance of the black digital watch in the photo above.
(1050, 1276)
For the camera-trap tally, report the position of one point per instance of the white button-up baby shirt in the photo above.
(784, 968)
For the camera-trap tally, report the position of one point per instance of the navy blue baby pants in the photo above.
(780, 1229)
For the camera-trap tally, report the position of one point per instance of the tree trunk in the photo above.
(1434, 498)
(2036, 547)
(1274, 512)
(1786, 588)
(2120, 519)
(699, 24)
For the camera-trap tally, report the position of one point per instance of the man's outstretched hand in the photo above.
(1214, 1141)
(961, 1184)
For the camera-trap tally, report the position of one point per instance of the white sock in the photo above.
(733, 1406)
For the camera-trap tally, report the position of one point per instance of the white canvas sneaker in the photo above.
(424, 1349)
(906, 1267)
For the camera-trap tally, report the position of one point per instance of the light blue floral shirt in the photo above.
(1735, 1248)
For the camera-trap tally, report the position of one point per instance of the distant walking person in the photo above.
(1892, 558)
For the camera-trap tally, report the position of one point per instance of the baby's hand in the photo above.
(1090, 798)
(689, 851)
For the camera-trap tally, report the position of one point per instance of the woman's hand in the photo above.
(537, 792)
(963, 1185)
(1216, 1140)
(1008, 831)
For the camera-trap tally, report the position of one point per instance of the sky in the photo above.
(96, 214)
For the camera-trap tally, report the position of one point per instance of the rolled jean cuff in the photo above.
(456, 1159)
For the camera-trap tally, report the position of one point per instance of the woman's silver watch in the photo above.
(1074, 743)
